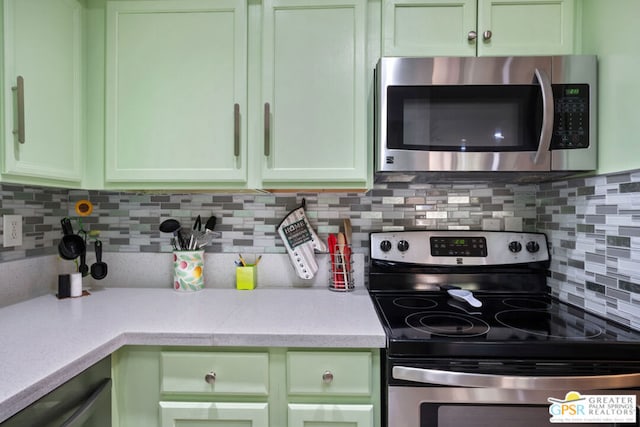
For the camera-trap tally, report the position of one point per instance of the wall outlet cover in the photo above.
(12, 230)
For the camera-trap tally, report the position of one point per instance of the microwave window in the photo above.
(464, 118)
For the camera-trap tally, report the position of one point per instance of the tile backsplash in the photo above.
(593, 224)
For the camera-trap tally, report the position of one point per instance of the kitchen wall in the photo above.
(128, 222)
(594, 228)
(609, 30)
(593, 224)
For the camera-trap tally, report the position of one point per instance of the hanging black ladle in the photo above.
(71, 245)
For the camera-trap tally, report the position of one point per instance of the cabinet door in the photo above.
(42, 47)
(525, 27)
(429, 28)
(183, 414)
(310, 415)
(314, 90)
(176, 91)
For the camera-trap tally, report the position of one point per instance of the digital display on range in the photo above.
(458, 246)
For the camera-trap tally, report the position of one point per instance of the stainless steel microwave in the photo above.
(534, 116)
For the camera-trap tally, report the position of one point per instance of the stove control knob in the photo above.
(385, 246)
(403, 245)
(515, 247)
(533, 247)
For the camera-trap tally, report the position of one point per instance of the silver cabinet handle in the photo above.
(87, 408)
(472, 35)
(327, 377)
(236, 130)
(547, 116)
(486, 36)
(267, 129)
(19, 89)
(462, 379)
(210, 378)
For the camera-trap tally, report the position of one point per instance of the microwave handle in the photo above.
(547, 116)
(463, 379)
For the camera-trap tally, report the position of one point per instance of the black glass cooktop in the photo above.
(433, 323)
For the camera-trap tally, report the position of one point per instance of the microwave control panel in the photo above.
(571, 120)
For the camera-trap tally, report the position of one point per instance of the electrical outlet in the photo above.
(12, 230)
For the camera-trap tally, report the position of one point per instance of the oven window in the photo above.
(464, 118)
(456, 415)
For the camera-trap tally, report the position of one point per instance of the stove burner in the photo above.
(415, 302)
(546, 324)
(446, 324)
(531, 304)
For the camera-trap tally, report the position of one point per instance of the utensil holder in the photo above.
(246, 277)
(341, 269)
(188, 271)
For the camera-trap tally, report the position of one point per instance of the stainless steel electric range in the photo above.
(475, 338)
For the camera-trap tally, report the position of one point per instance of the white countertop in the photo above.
(46, 341)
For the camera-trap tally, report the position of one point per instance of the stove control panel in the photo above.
(459, 247)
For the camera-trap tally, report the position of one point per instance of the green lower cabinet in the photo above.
(183, 414)
(246, 387)
(319, 415)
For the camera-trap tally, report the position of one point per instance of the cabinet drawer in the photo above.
(329, 373)
(229, 373)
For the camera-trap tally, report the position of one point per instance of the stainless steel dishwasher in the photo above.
(83, 401)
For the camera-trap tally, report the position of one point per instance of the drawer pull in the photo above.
(327, 377)
(210, 378)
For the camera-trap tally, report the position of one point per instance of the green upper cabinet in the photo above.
(477, 27)
(428, 27)
(176, 92)
(314, 82)
(42, 91)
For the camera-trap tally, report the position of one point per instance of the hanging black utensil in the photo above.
(99, 268)
(71, 245)
(210, 224)
(83, 268)
(173, 226)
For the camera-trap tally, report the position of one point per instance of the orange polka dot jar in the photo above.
(188, 271)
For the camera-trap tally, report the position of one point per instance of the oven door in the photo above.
(464, 114)
(506, 401)
(456, 406)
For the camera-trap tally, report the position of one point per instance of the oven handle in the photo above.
(462, 379)
(547, 116)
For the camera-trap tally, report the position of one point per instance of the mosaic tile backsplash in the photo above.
(593, 224)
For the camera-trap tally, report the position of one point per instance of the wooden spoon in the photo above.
(347, 230)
